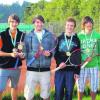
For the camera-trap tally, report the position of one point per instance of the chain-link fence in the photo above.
(58, 27)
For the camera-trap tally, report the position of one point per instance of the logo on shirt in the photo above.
(63, 47)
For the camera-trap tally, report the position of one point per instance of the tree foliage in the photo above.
(59, 10)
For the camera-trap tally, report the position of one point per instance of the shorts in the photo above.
(32, 79)
(12, 75)
(92, 74)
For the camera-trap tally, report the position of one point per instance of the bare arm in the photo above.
(13, 54)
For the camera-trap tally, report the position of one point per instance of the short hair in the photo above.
(85, 20)
(71, 19)
(39, 17)
(14, 17)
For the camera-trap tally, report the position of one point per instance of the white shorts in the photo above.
(32, 79)
(92, 74)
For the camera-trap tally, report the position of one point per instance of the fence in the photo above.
(23, 27)
(58, 27)
(55, 27)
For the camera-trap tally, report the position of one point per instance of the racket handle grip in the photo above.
(30, 62)
(16, 64)
(84, 64)
(56, 69)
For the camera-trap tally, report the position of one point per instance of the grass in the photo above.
(88, 98)
(37, 97)
(6, 95)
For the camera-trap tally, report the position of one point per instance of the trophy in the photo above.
(19, 50)
(20, 47)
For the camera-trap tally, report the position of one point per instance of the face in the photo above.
(13, 24)
(88, 27)
(69, 27)
(38, 25)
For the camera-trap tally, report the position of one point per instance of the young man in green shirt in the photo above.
(88, 38)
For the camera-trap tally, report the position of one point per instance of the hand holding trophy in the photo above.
(17, 52)
(20, 50)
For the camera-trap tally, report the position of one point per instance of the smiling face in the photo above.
(13, 21)
(87, 24)
(13, 24)
(69, 27)
(38, 25)
(88, 27)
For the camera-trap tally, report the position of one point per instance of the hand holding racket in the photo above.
(86, 62)
(94, 53)
(61, 66)
(46, 53)
(74, 59)
(43, 51)
(38, 54)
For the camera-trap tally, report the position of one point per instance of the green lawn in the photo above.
(7, 97)
(88, 97)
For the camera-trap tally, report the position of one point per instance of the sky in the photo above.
(20, 1)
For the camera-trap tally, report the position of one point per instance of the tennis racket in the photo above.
(95, 52)
(42, 49)
(74, 59)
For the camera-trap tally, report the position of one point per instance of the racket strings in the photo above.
(74, 59)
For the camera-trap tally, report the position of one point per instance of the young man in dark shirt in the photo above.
(10, 60)
(65, 77)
